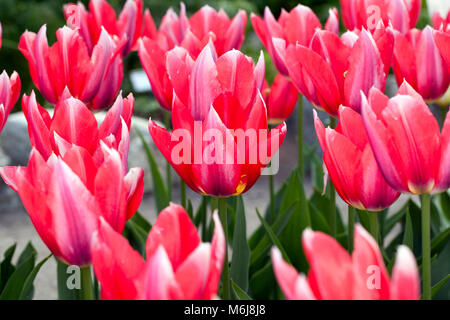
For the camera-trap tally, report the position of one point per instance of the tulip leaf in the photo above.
(27, 289)
(17, 281)
(392, 220)
(160, 193)
(444, 200)
(241, 252)
(273, 237)
(238, 292)
(262, 282)
(438, 286)
(408, 237)
(6, 267)
(64, 293)
(318, 221)
(136, 235)
(143, 223)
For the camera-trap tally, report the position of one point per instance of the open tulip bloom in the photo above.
(192, 34)
(178, 265)
(9, 94)
(335, 275)
(93, 78)
(215, 101)
(332, 70)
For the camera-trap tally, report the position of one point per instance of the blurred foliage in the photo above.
(17, 16)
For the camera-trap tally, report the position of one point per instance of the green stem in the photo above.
(332, 195)
(351, 227)
(426, 251)
(373, 220)
(225, 273)
(301, 168)
(168, 168)
(443, 115)
(183, 193)
(86, 292)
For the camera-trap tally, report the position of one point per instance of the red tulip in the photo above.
(192, 34)
(74, 124)
(335, 275)
(295, 27)
(401, 14)
(220, 98)
(333, 71)
(128, 27)
(442, 40)
(281, 99)
(66, 195)
(93, 78)
(418, 61)
(178, 266)
(411, 152)
(440, 22)
(351, 164)
(9, 94)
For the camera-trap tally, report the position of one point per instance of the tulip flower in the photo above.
(128, 27)
(401, 14)
(442, 40)
(418, 61)
(410, 150)
(335, 275)
(351, 164)
(439, 21)
(178, 265)
(73, 123)
(9, 94)
(281, 99)
(192, 34)
(93, 78)
(67, 194)
(333, 71)
(295, 27)
(215, 99)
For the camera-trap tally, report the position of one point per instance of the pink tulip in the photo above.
(418, 61)
(281, 99)
(411, 152)
(442, 40)
(335, 275)
(351, 164)
(219, 95)
(67, 194)
(192, 34)
(440, 22)
(178, 265)
(332, 71)
(74, 124)
(401, 14)
(93, 78)
(295, 27)
(9, 94)
(127, 28)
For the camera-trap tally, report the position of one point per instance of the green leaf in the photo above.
(6, 267)
(16, 282)
(27, 289)
(273, 237)
(438, 286)
(241, 252)
(143, 223)
(444, 200)
(28, 252)
(159, 190)
(408, 239)
(318, 221)
(238, 292)
(392, 220)
(263, 283)
(136, 236)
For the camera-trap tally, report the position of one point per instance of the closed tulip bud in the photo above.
(335, 275)
(351, 164)
(418, 60)
(178, 265)
(411, 152)
(281, 99)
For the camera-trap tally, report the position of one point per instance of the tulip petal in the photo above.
(405, 284)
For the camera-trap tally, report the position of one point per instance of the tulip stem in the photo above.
(351, 227)
(426, 251)
(332, 195)
(272, 199)
(300, 136)
(225, 274)
(168, 169)
(373, 220)
(183, 193)
(86, 284)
